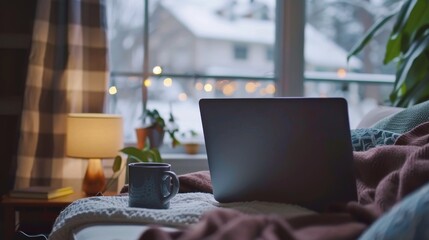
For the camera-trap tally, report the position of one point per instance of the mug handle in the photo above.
(175, 187)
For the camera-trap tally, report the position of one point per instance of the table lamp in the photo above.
(93, 136)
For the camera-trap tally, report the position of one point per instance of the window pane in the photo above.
(332, 29)
(225, 48)
(125, 33)
(197, 49)
(212, 37)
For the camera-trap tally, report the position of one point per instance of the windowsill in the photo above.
(181, 162)
(178, 152)
(184, 156)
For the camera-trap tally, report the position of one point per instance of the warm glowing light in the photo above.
(168, 82)
(228, 90)
(250, 87)
(183, 96)
(270, 89)
(157, 70)
(208, 87)
(220, 84)
(341, 73)
(199, 86)
(148, 82)
(113, 90)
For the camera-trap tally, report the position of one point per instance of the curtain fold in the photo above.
(67, 72)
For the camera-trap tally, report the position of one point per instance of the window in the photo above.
(240, 52)
(191, 50)
(188, 59)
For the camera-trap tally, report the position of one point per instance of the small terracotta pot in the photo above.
(141, 134)
(191, 148)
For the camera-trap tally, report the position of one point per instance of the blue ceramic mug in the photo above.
(151, 185)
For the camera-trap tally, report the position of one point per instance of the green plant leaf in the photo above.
(403, 14)
(412, 16)
(418, 17)
(398, 37)
(393, 48)
(135, 153)
(369, 35)
(117, 163)
(413, 53)
(412, 89)
(155, 117)
(419, 93)
(156, 155)
(172, 134)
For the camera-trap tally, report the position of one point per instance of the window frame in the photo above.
(288, 51)
(289, 75)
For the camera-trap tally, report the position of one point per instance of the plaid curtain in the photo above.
(67, 72)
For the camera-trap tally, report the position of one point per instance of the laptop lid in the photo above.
(291, 150)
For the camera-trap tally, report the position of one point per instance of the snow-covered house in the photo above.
(231, 39)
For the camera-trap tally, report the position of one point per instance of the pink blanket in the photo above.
(385, 175)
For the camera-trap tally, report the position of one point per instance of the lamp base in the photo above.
(94, 181)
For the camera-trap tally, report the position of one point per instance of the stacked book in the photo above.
(41, 192)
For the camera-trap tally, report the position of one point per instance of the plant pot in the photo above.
(141, 134)
(191, 148)
(154, 134)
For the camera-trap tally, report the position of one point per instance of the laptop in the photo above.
(290, 150)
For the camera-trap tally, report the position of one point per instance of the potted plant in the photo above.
(408, 47)
(154, 128)
(190, 141)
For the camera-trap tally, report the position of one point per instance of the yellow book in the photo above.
(41, 192)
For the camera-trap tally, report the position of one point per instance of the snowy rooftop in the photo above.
(203, 21)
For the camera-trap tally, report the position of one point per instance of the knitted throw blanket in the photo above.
(185, 209)
(406, 119)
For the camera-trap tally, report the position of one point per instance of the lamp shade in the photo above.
(93, 135)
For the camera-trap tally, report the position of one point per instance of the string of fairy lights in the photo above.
(226, 87)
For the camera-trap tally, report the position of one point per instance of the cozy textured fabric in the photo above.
(407, 220)
(385, 176)
(185, 209)
(229, 224)
(406, 119)
(196, 182)
(367, 138)
(67, 72)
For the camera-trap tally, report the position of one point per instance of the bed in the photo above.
(392, 165)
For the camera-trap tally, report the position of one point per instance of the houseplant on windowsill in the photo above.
(408, 47)
(154, 128)
(190, 141)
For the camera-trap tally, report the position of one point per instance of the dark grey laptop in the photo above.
(291, 150)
